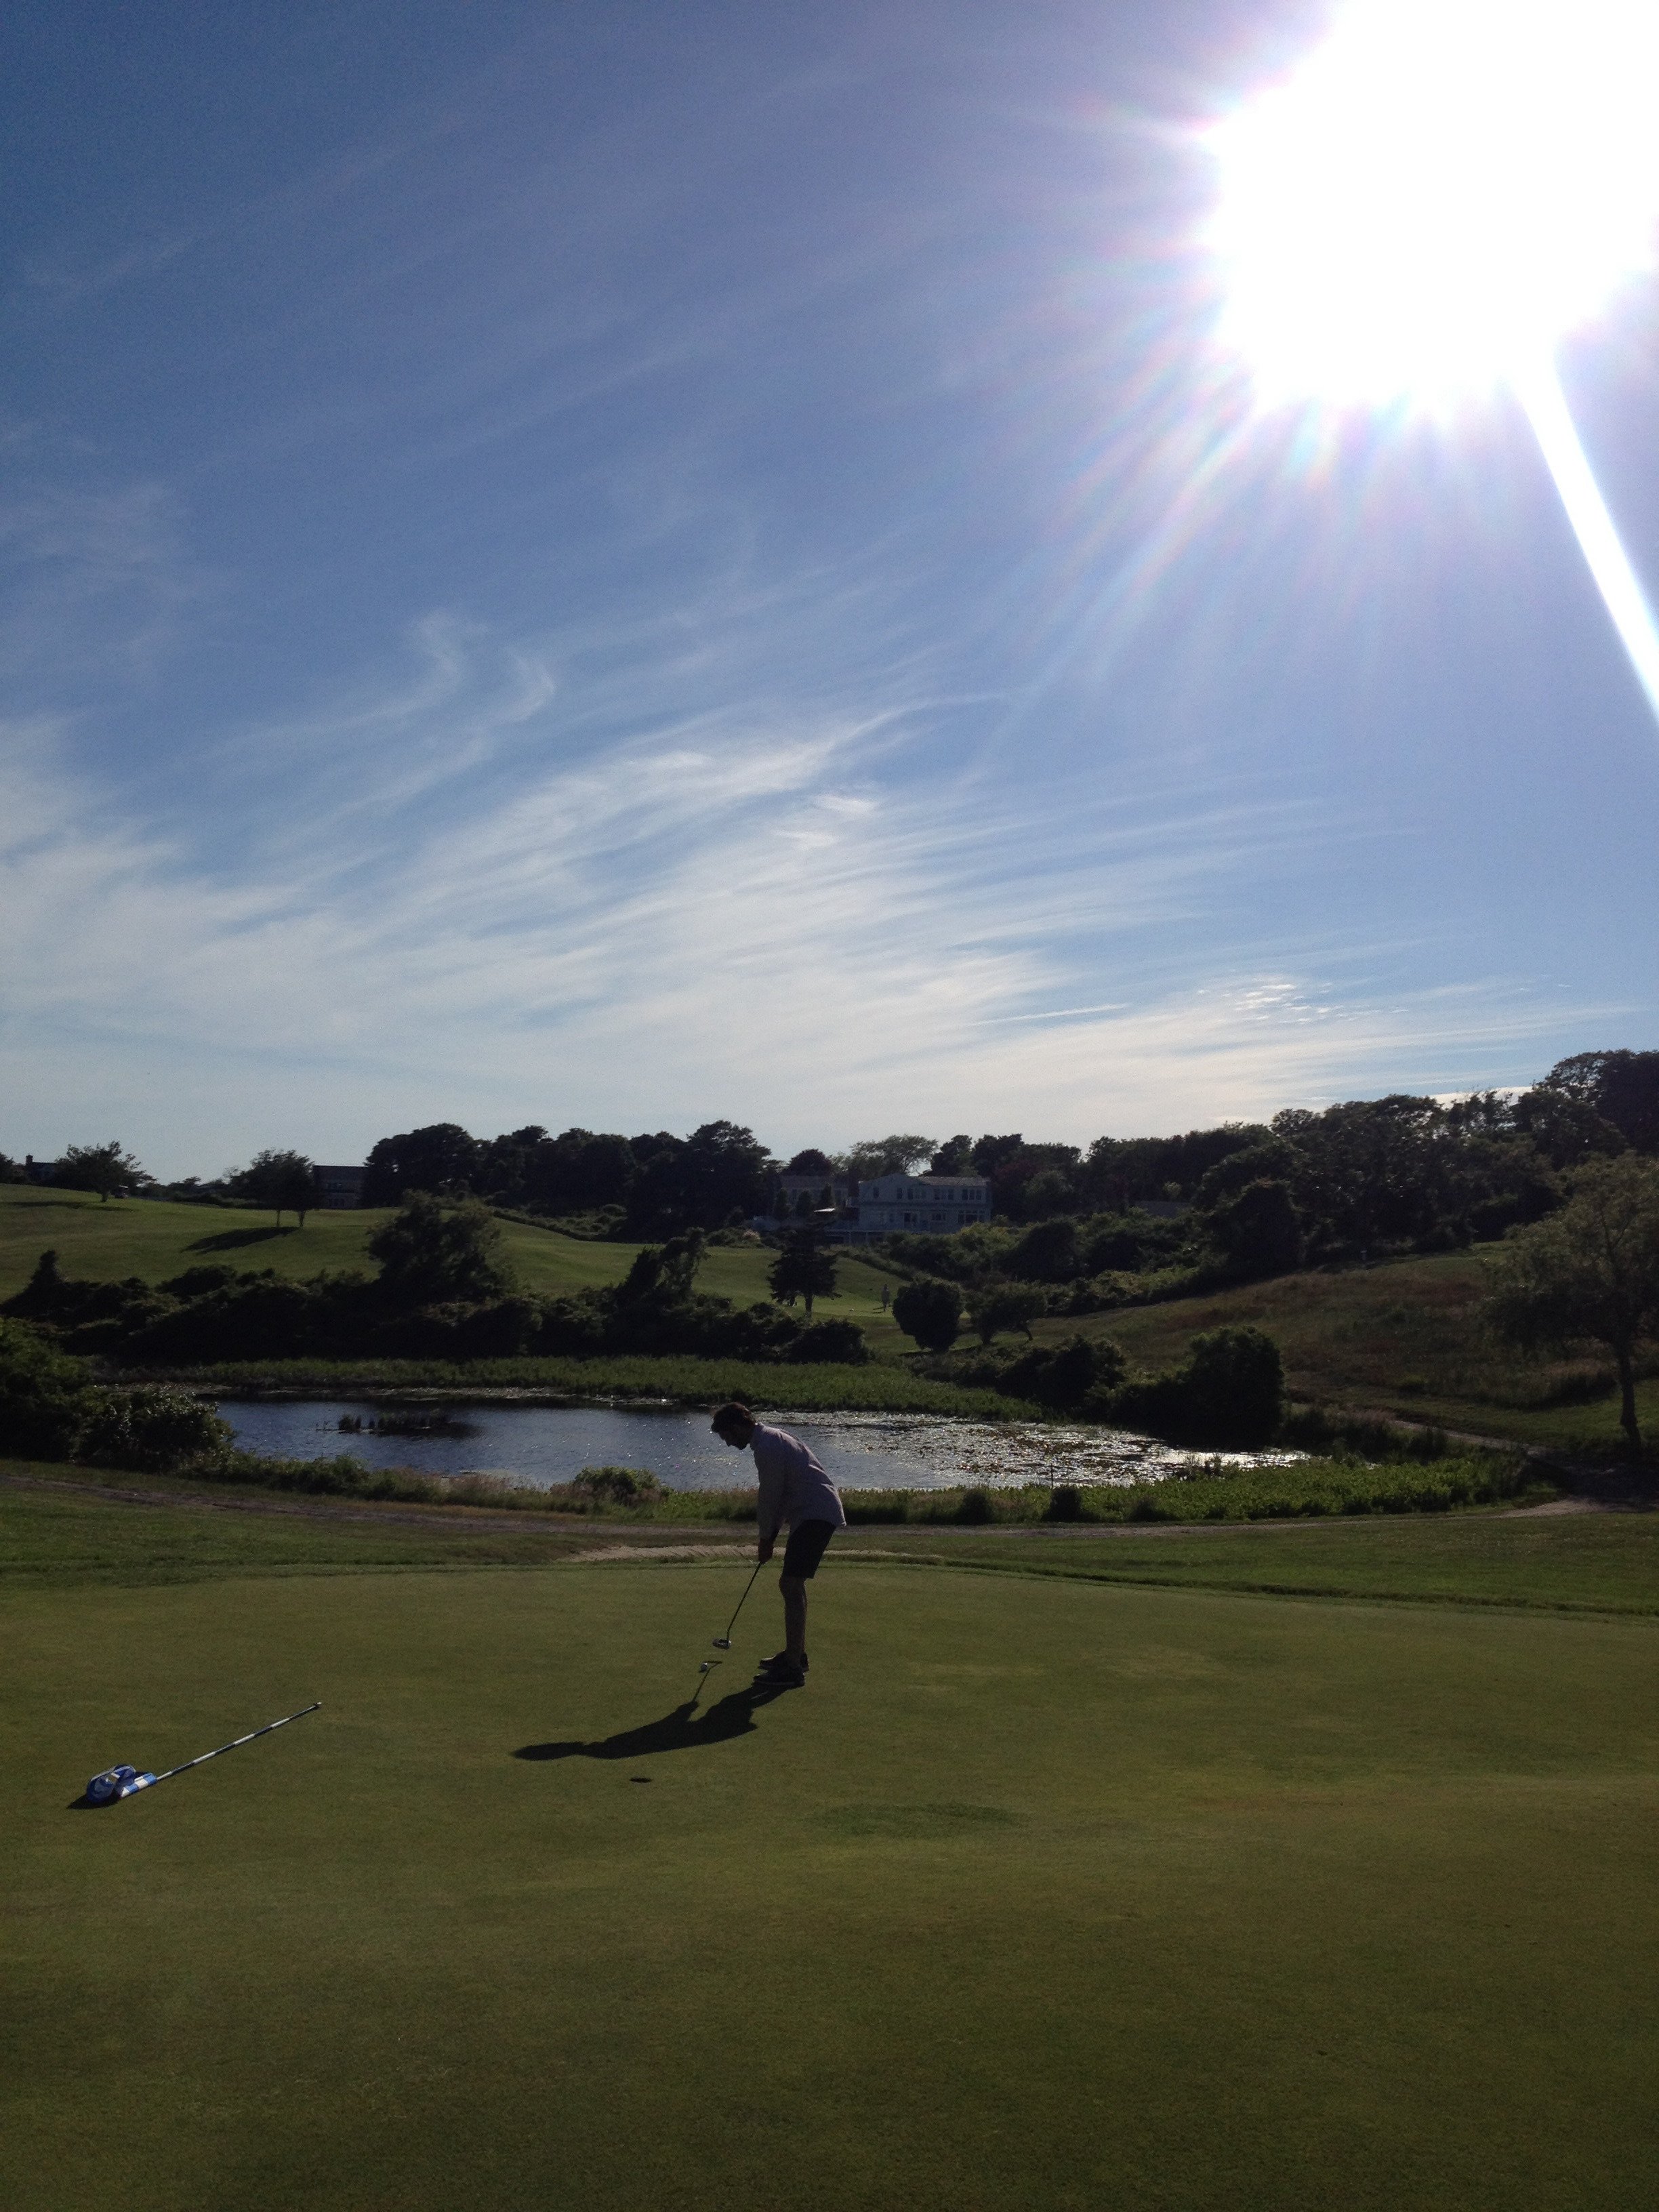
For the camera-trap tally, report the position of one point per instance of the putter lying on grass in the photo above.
(118, 1782)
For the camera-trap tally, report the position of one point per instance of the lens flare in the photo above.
(1429, 203)
(1439, 192)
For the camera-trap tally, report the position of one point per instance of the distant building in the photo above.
(939, 1204)
(340, 1187)
(39, 1171)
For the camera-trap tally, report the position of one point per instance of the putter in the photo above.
(118, 1782)
(723, 1643)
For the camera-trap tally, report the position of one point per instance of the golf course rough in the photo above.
(1044, 1893)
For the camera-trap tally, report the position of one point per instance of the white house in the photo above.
(941, 1203)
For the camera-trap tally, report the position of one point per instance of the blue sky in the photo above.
(630, 564)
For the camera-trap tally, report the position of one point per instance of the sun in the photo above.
(1439, 192)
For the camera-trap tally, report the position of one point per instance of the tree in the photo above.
(1000, 1306)
(1048, 1193)
(1235, 1383)
(930, 1310)
(1256, 1229)
(102, 1168)
(1621, 1087)
(697, 1181)
(282, 1181)
(810, 1162)
(434, 1250)
(440, 1157)
(1588, 1274)
(577, 1171)
(665, 1273)
(804, 1269)
(885, 1156)
(954, 1157)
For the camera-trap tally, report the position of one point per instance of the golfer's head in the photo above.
(734, 1424)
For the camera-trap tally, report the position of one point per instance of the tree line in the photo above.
(1401, 1173)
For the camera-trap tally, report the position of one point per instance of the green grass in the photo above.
(58, 1536)
(1044, 1894)
(154, 1240)
(53, 1532)
(1404, 1337)
(1590, 1562)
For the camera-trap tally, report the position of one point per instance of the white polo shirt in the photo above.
(793, 1487)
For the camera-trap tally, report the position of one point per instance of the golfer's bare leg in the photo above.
(794, 1615)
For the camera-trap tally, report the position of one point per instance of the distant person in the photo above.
(884, 1298)
(794, 1488)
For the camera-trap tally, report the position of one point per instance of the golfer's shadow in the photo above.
(680, 1730)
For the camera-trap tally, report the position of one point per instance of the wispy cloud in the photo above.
(743, 911)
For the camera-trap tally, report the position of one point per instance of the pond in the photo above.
(540, 1445)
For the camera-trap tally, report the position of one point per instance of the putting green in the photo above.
(1043, 1895)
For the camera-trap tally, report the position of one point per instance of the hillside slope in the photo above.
(154, 1239)
(1404, 1337)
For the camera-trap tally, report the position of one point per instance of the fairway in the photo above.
(1044, 1893)
(155, 1239)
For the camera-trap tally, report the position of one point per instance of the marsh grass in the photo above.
(1310, 1488)
(825, 1387)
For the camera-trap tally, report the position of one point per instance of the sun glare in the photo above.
(1438, 193)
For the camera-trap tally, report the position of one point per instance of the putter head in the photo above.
(722, 1644)
(704, 1665)
(116, 1782)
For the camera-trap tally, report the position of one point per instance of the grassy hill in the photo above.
(153, 1240)
(1403, 1337)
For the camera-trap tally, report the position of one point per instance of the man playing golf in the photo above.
(794, 1488)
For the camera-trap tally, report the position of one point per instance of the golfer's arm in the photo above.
(768, 1505)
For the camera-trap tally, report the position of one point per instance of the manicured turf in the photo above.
(1043, 1895)
(1591, 1562)
(55, 1534)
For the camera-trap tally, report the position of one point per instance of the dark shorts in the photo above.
(808, 1541)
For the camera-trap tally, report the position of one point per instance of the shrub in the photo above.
(974, 1507)
(1065, 1503)
(1235, 1386)
(930, 1310)
(1230, 1391)
(44, 1395)
(1002, 1306)
(1068, 1375)
(616, 1486)
(840, 1340)
(151, 1427)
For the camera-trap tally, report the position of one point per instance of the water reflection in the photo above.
(540, 1445)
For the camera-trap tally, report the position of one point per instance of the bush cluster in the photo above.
(440, 1295)
(50, 1409)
